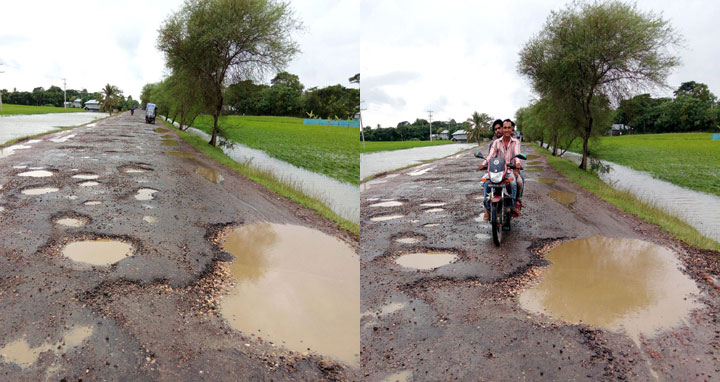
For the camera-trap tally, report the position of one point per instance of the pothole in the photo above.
(431, 210)
(400, 376)
(97, 252)
(382, 218)
(92, 203)
(145, 194)
(39, 190)
(546, 180)
(86, 176)
(409, 239)
(180, 154)
(22, 354)
(393, 203)
(425, 260)
(532, 156)
(277, 264)
(150, 219)
(209, 174)
(70, 220)
(564, 198)
(533, 169)
(421, 171)
(430, 225)
(433, 204)
(169, 142)
(161, 130)
(88, 183)
(614, 283)
(36, 173)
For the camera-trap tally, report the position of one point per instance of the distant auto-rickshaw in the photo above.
(150, 110)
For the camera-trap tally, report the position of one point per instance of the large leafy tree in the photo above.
(223, 41)
(591, 54)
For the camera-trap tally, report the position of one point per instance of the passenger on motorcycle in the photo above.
(507, 148)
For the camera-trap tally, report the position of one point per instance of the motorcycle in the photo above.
(499, 195)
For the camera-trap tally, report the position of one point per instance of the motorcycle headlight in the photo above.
(496, 177)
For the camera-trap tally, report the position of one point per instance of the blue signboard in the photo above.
(716, 137)
(332, 122)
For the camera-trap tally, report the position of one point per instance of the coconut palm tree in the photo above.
(111, 96)
(480, 126)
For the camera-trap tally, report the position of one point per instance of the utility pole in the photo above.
(430, 118)
(362, 133)
(64, 93)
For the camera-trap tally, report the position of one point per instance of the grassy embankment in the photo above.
(9, 109)
(268, 180)
(689, 160)
(374, 146)
(328, 150)
(626, 202)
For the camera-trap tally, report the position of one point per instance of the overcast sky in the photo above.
(455, 57)
(98, 42)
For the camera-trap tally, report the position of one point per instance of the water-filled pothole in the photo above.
(150, 219)
(382, 218)
(392, 203)
(97, 252)
(161, 130)
(71, 222)
(135, 170)
(22, 354)
(180, 154)
(209, 174)
(86, 176)
(430, 225)
(616, 284)
(565, 198)
(169, 142)
(409, 238)
(546, 180)
(88, 183)
(36, 173)
(433, 204)
(39, 190)
(434, 210)
(145, 194)
(92, 203)
(533, 169)
(532, 156)
(426, 260)
(302, 285)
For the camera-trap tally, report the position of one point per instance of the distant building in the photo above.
(444, 134)
(619, 129)
(460, 136)
(92, 105)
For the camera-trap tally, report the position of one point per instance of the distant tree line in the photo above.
(477, 127)
(53, 96)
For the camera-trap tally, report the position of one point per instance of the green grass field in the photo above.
(24, 109)
(329, 150)
(689, 160)
(374, 146)
(625, 201)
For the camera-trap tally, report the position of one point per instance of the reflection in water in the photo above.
(617, 284)
(97, 252)
(565, 198)
(297, 287)
(180, 154)
(22, 354)
(425, 261)
(209, 174)
(546, 180)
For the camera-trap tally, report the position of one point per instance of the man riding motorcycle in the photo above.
(507, 147)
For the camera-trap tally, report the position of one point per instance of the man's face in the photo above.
(507, 129)
(498, 131)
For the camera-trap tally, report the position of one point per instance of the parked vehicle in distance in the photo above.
(150, 110)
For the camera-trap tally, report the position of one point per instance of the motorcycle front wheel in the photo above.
(495, 225)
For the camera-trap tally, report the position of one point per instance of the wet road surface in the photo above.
(463, 320)
(153, 315)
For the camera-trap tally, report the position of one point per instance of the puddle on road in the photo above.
(180, 154)
(2, 208)
(383, 218)
(393, 203)
(618, 284)
(39, 191)
(169, 142)
(20, 353)
(421, 172)
(430, 225)
(565, 198)
(97, 252)
(136, 170)
(145, 194)
(532, 156)
(409, 239)
(534, 163)
(36, 174)
(150, 219)
(92, 203)
(70, 222)
(546, 180)
(533, 169)
(19, 167)
(400, 376)
(161, 130)
(426, 260)
(209, 174)
(434, 210)
(168, 136)
(433, 204)
(89, 183)
(302, 285)
(86, 176)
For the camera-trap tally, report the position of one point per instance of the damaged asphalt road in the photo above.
(462, 321)
(150, 316)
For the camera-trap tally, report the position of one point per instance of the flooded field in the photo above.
(17, 126)
(342, 198)
(296, 287)
(624, 285)
(698, 209)
(375, 163)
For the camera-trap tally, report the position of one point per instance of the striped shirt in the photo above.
(498, 149)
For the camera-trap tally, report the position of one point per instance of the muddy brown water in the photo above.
(36, 174)
(22, 354)
(533, 168)
(618, 284)
(546, 180)
(296, 287)
(180, 154)
(209, 174)
(425, 260)
(39, 191)
(97, 252)
(161, 130)
(564, 198)
(169, 142)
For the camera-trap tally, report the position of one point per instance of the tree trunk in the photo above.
(555, 144)
(213, 139)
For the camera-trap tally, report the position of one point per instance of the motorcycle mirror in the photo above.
(478, 155)
(521, 156)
